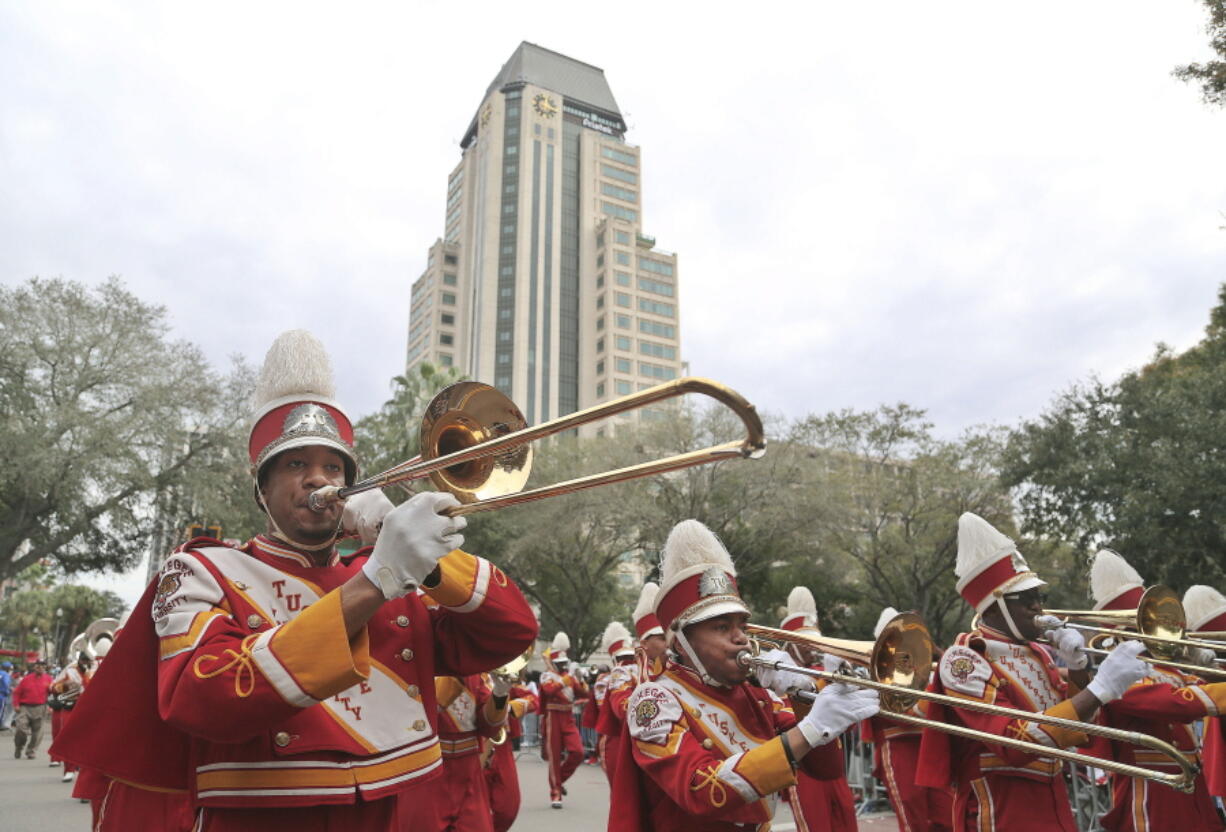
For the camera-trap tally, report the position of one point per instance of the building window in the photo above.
(656, 266)
(505, 335)
(622, 237)
(513, 149)
(507, 271)
(600, 240)
(618, 192)
(658, 350)
(623, 258)
(619, 156)
(622, 387)
(600, 390)
(600, 323)
(504, 315)
(657, 286)
(449, 279)
(653, 328)
(444, 359)
(447, 318)
(623, 321)
(600, 281)
(619, 174)
(622, 365)
(622, 299)
(503, 383)
(618, 211)
(600, 302)
(665, 309)
(599, 260)
(600, 367)
(621, 342)
(599, 345)
(657, 371)
(450, 259)
(503, 358)
(623, 278)
(449, 298)
(446, 338)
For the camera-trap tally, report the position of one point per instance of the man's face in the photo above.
(40, 667)
(654, 646)
(291, 477)
(717, 641)
(1023, 607)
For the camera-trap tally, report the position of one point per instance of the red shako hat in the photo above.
(699, 580)
(645, 621)
(802, 611)
(1114, 584)
(1205, 607)
(989, 564)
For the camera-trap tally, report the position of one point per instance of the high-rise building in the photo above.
(544, 283)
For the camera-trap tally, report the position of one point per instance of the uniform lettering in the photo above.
(278, 586)
(293, 602)
(364, 688)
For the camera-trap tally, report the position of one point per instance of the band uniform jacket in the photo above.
(282, 708)
(896, 748)
(821, 805)
(705, 759)
(1162, 705)
(623, 679)
(995, 787)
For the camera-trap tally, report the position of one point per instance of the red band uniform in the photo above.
(561, 745)
(501, 776)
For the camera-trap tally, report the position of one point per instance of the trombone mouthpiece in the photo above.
(324, 497)
(744, 658)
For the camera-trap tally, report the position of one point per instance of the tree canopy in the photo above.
(101, 412)
(1210, 75)
(1137, 464)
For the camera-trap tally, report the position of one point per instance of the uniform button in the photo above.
(707, 744)
(414, 691)
(402, 620)
(254, 621)
(406, 654)
(419, 725)
(281, 739)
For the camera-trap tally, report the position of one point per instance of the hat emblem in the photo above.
(1018, 562)
(714, 581)
(312, 419)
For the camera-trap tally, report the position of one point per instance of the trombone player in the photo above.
(1163, 704)
(999, 662)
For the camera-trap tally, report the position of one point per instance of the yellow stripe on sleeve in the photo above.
(766, 767)
(316, 651)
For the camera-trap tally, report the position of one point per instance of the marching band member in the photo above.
(617, 643)
(560, 743)
(68, 686)
(999, 661)
(296, 689)
(1206, 610)
(501, 776)
(1161, 704)
(625, 677)
(825, 804)
(470, 708)
(896, 747)
(704, 751)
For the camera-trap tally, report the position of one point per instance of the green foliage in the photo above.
(1136, 465)
(101, 411)
(36, 618)
(1211, 75)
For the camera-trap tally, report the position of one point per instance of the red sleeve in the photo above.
(1152, 699)
(481, 620)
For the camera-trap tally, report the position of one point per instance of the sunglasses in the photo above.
(1027, 598)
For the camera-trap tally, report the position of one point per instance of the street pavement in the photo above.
(32, 798)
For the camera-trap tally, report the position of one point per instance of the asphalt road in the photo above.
(32, 798)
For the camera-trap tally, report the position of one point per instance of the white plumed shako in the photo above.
(1205, 608)
(989, 564)
(802, 611)
(887, 615)
(1114, 584)
(616, 640)
(699, 580)
(645, 621)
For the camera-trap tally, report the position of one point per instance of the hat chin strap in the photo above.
(707, 678)
(1004, 608)
(306, 547)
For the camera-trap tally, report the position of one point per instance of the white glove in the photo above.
(782, 681)
(499, 685)
(1202, 656)
(838, 707)
(1120, 671)
(415, 537)
(833, 664)
(1069, 644)
(364, 513)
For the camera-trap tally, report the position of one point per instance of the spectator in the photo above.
(30, 702)
(6, 692)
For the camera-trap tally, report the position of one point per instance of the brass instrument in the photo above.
(1159, 622)
(899, 663)
(476, 444)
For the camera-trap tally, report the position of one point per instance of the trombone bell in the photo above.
(462, 416)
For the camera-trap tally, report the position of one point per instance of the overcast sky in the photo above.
(963, 205)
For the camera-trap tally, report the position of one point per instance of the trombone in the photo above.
(1159, 621)
(899, 663)
(476, 444)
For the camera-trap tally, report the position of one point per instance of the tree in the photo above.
(100, 412)
(1136, 464)
(897, 492)
(73, 608)
(1211, 75)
